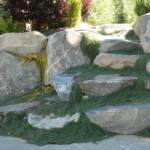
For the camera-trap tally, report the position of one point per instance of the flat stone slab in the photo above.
(115, 143)
(106, 84)
(118, 44)
(116, 61)
(126, 119)
(22, 107)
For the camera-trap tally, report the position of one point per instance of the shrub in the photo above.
(118, 11)
(76, 94)
(9, 25)
(45, 13)
(142, 7)
(85, 9)
(111, 11)
(74, 12)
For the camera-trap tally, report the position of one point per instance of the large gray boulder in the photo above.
(23, 43)
(116, 61)
(142, 29)
(127, 119)
(63, 52)
(106, 84)
(16, 78)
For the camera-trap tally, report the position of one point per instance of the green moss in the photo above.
(144, 133)
(82, 131)
(89, 47)
(141, 63)
(132, 36)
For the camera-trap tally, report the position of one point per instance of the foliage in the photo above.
(76, 93)
(111, 11)
(142, 7)
(9, 25)
(118, 11)
(85, 8)
(74, 12)
(89, 47)
(129, 13)
(46, 13)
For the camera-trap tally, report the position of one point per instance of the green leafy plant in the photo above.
(74, 13)
(89, 47)
(76, 94)
(9, 25)
(142, 7)
(119, 16)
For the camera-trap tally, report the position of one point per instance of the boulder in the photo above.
(127, 119)
(62, 83)
(141, 24)
(16, 78)
(51, 121)
(117, 44)
(63, 52)
(23, 43)
(106, 84)
(142, 29)
(116, 61)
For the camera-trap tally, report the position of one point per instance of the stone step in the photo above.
(118, 44)
(125, 119)
(23, 107)
(116, 61)
(119, 142)
(106, 84)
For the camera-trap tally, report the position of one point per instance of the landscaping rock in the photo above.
(141, 24)
(63, 52)
(23, 43)
(106, 84)
(114, 28)
(116, 61)
(127, 119)
(62, 83)
(117, 44)
(142, 29)
(51, 121)
(16, 78)
(18, 108)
